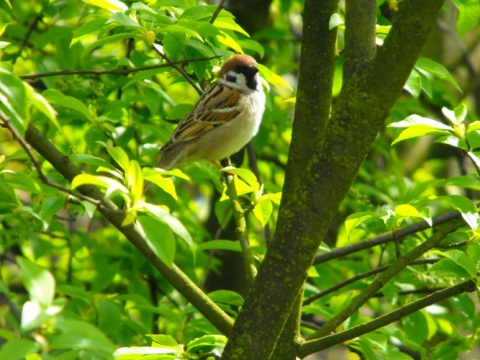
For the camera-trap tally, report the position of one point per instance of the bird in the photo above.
(223, 120)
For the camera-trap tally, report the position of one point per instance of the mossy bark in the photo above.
(325, 155)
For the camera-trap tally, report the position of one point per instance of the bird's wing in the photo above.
(217, 106)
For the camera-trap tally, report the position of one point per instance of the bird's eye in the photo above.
(231, 78)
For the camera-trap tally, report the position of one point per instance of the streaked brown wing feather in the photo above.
(217, 106)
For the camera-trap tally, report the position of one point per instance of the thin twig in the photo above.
(26, 146)
(178, 68)
(386, 276)
(384, 238)
(312, 346)
(252, 157)
(114, 71)
(217, 11)
(28, 34)
(360, 277)
(241, 229)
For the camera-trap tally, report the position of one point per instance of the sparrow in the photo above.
(223, 120)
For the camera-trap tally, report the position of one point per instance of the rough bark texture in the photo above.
(316, 184)
(273, 294)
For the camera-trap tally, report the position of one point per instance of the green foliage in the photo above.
(105, 81)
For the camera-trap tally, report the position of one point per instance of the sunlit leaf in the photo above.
(174, 224)
(263, 210)
(335, 20)
(120, 156)
(39, 282)
(113, 5)
(432, 67)
(57, 98)
(228, 245)
(273, 78)
(466, 207)
(158, 237)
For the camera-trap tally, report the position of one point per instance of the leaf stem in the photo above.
(241, 229)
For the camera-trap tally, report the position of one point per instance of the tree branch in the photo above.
(385, 238)
(187, 77)
(114, 71)
(271, 299)
(241, 229)
(217, 11)
(360, 277)
(360, 26)
(313, 346)
(174, 275)
(6, 123)
(382, 279)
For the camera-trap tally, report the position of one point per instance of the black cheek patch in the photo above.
(232, 78)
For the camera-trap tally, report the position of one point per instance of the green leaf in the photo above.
(252, 45)
(246, 175)
(468, 16)
(414, 84)
(206, 343)
(39, 282)
(161, 339)
(466, 181)
(174, 224)
(35, 314)
(147, 353)
(263, 210)
(50, 206)
(228, 41)
(13, 100)
(179, 111)
(357, 219)
(77, 334)
(123, 19)
(228, 245)
(87, 29)
(110, 39)
(229, 24)
(158, 237)
(41, 104)
(135, 179)
(421, 122)
(120, 156)
(416, 126)
(432, 67)
(108, 316)
(408, 211)
(113, 5)
(91, 160)
(272, 78)
(21, 181)
(166, 184)
(100, 181)
(466, 207)
(226, 297)
(56, 97)
(18, 349)
(448, 268)
(335, 20)
(462, 260)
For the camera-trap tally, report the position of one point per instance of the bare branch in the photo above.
(178, 68)
(360, 277)
(217, 11)
(38, 167)
(310, 347)
(115, 71)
